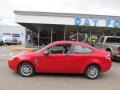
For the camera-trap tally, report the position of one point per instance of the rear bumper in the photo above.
(106, 66)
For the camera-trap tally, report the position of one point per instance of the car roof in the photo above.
(68, 42)
(72, 42)
(111, 36)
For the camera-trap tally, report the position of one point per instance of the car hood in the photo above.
(23, 54)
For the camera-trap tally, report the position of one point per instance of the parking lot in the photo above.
(11, 81)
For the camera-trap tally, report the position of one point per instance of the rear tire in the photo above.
(26, 69)
(92, 72)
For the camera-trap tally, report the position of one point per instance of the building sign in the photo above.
(116, 23)
(95, 20)
(108, 21)
(87, 22)
(77, 20)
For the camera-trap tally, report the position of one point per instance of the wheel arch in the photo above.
(96, 64)
(109, 49)
(25, 61)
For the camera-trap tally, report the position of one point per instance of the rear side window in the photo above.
(80, 49)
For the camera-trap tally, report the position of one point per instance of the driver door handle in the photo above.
(36, 60)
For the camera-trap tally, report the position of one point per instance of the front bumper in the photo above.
(13, 64)
(116, 58)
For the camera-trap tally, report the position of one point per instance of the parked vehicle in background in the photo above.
(11, 39)
(14, 42)
(17, 38)
(7, 39)
(62, 57)
(19, 42)
(111, 44)
(1, 41)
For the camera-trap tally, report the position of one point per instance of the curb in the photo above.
(21, 48)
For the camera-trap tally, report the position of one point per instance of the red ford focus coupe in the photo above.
(62, 57)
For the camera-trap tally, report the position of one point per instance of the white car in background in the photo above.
(17, 38)
(11, 40)
(19, 42)
(1, 41)
(7, 39)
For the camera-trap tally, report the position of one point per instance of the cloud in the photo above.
(71, 6)
(8, 22)
(5, 10)
(100, 7)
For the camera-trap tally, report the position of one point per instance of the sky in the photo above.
(99, 7)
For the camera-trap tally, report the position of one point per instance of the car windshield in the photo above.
(113, 40)
(38, 49)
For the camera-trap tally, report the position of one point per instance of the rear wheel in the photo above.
(92, 72)
(26, 69)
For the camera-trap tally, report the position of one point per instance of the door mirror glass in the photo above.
(46, 52)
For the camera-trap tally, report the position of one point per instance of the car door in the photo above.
(54, 61)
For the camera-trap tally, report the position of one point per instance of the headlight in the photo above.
(12, 58)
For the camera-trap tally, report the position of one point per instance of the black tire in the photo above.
(92, 72)
(26, 69)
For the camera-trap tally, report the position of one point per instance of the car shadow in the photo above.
(59, 75)
(75, 76)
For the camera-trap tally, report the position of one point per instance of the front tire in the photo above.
(92, 72)
(26, 69)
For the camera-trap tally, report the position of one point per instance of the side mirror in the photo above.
(46, 53)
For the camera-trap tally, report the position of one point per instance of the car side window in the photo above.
(56, 49)
(75, 48)
(59, 49)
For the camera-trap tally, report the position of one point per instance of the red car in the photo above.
(62, 57)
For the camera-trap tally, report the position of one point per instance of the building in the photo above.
(46, 27)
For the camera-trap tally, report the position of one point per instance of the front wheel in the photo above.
(92, 72)
(26, 69)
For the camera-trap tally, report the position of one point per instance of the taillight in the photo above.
(118, 49)
(108, 56)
